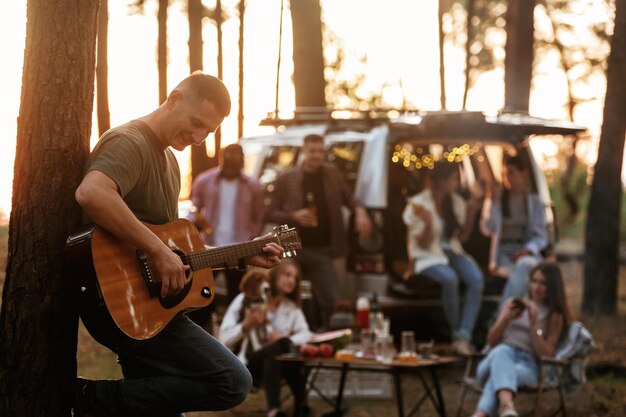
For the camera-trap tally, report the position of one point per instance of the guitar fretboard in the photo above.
(216, 257)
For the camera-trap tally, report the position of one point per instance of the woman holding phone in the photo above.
(525, 330)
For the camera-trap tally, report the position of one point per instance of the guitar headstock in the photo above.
(288, 238)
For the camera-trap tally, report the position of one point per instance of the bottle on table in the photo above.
(374, 309)
(363, 312)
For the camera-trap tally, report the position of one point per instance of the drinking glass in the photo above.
(408, 342)
(367, 341)
(384, 349)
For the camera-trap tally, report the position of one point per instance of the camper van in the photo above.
(385, 158)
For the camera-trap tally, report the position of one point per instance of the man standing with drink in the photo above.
(311, 196)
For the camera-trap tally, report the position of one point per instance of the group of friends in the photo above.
(132, 178)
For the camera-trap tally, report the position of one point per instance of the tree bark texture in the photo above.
(162, 50)
(195, 13)
(38, 324)
(603, 216)
(102, 69)
(308, 58)
(518, 61)
(200, 161)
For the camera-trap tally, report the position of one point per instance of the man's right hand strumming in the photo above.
(170, 270)
(99, 197)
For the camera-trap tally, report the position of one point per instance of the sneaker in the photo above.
(507, 410)
(463, 347)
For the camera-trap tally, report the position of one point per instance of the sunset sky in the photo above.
(398, 36)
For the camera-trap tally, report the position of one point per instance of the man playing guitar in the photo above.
(132, 178)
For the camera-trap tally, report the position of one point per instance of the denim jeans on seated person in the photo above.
(460, 268)
(504, 367)
(183, 368)
(518, 272)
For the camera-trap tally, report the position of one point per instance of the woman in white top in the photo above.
(259, 333)
(437, 220)
(525, 329)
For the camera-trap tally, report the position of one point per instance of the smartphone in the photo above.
(519, 304)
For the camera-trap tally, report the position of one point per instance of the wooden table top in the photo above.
(367, 362)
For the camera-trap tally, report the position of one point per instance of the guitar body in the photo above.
(119, 297)
(115, 281)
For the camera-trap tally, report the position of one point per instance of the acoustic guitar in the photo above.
(114, 281)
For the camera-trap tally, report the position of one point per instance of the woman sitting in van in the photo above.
(516, 220)
(437, 219)
(259, 326)
(525, 329)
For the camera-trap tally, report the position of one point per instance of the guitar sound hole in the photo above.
(174, 300)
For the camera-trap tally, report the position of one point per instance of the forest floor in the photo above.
(603, 395)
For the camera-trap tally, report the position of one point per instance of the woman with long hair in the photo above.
(525, 330)
(437, 220)
(264, 322)
(516, 220)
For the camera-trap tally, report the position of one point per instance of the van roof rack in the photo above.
(509, 123)
(326, 115)
(505, 124)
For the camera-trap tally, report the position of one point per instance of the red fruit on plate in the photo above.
(309, 351)
(326, 350)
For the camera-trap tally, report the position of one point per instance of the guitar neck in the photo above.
(217, 257)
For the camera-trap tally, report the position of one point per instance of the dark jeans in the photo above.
(181, 369)
(461, 316)
(263, 365)
(317, 267)
(202, 316)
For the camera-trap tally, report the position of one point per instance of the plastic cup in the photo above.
(408, 342)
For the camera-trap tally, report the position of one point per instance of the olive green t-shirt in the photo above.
(147, 177)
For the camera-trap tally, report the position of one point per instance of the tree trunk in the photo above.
(518, 61)
(308, 58)
(195, 13)
(603, 217)
(102, 69)
(162, 50)
(242, 12)
(38, 323)
(200, 161)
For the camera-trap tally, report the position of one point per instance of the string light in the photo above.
(418, 158)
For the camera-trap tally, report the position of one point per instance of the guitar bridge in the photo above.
(154, 289)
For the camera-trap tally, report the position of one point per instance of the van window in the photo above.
(347, 157)
(277, 160)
